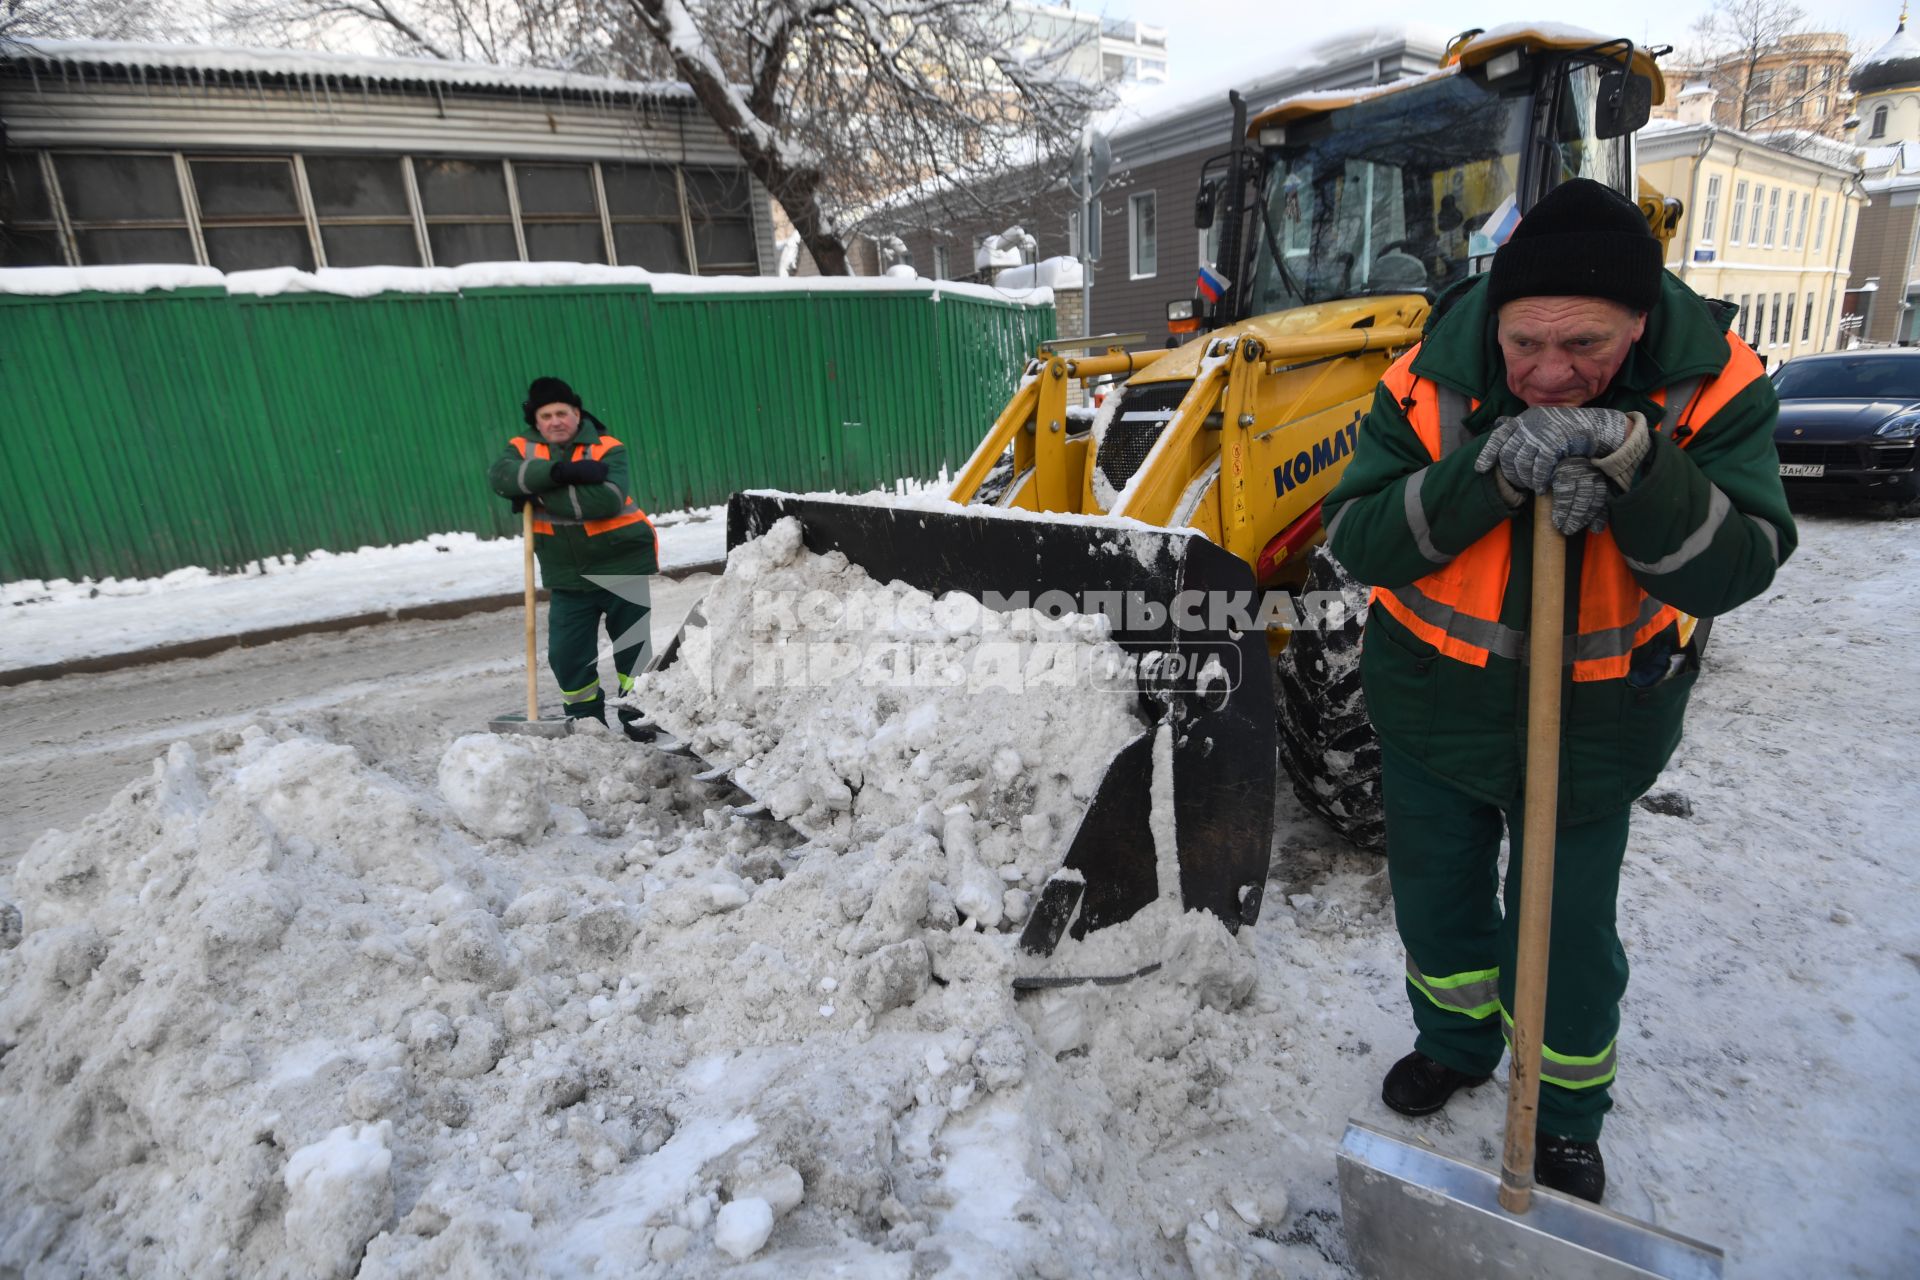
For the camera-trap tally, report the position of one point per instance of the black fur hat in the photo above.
(546, 391)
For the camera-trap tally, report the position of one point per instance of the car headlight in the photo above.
(1904, 427)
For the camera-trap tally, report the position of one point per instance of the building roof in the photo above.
(212, 65)
(1798, 144)
(1893, 64)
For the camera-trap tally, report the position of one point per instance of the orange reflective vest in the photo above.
(630, 512)
(1457, 607)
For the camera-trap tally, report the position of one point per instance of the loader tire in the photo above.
(1327, 744)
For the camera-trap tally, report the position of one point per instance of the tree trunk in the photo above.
(796, 186)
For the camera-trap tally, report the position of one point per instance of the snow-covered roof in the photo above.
(213, 64)
(1895, 63)
(366, 282)
(1262, 76)
(1801, 144)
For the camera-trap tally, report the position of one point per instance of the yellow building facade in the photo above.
(1766, 228)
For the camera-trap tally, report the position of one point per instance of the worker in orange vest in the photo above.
(594, 543)
(1577, 372)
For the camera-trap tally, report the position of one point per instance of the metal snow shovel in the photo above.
(1411, 1212)
(531, 723)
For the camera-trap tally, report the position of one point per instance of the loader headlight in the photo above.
(1181, 310)
(1904, 427)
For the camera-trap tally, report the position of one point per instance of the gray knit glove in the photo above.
(1528, 448)
(1623, 463)
(1579, 497)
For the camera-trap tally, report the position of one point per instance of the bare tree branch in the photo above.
(841, 109)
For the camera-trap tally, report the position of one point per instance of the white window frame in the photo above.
(942, 263)
(1786, 235)
(1806, 215)
(1712, 213)
(1134, 203)
(1773, 216)
(1739, 211)
(1820, 227)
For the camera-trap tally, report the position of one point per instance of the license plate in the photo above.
(1808, 470)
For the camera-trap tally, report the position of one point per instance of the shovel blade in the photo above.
(519, 724)
(1410, 1212)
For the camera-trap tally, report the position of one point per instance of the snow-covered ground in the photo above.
(352, 977)
(42, 623)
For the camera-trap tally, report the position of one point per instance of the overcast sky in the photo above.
(1202, 34)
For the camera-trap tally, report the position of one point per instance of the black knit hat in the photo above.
(1583, 240)
(546, 391)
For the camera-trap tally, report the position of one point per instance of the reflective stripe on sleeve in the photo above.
(1772, 536)
(1416, 513)
(1718, 505)
(1475, 993)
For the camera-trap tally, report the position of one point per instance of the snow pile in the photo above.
(858, 711)
(284, 1009)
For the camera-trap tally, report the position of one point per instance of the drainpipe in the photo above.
(1693, 196)
(1840, 243)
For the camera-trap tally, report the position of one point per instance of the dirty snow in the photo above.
(279, 1008)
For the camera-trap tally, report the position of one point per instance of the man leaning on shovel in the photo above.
(1577, 370)
(593, 541)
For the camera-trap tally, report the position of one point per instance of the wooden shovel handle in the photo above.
(1536, 870)
(533, 687)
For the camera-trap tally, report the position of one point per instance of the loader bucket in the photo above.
(1223, 739)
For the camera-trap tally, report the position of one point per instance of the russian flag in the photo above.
(1211, 284)
(1501, 222)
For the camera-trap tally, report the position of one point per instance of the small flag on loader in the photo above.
(1212, 284)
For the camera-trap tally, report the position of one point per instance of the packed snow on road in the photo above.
(370, 995)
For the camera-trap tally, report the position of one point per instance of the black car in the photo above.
(1849, 421)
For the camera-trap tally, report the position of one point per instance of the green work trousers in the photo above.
(573, 641)
(1443, 850)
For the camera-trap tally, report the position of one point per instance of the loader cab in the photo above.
(1409, 188)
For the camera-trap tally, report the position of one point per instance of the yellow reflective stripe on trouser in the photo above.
(1567, 1070)
(585, 693)
(626, 682)
(1476, 993)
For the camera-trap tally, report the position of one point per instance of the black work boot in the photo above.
(1418, 1086)
(1573, 1167)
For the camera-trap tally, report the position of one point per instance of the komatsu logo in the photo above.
(1306, 464)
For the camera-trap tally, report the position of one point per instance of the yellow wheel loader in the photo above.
(1187, 506)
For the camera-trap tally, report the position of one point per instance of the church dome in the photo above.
(1893, 65)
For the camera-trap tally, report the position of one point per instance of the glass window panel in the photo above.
(565, 242)
(357, 187)
(717, 192)
(457, 243)
(251, 248)
(147, 244)
(40, 248)
(26, 191)
(244, 188)
(723, 244)
(555, 188)
(640, 190)
(461, 186)
(120, 189)
(370, 246)
(653, 245)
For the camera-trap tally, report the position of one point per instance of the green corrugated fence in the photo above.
(146, 432)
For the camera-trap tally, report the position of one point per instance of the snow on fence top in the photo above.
(365, 282)
(201, 63)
